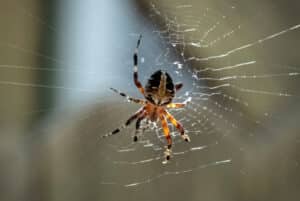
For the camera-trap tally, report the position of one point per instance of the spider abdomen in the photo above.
(160, 89)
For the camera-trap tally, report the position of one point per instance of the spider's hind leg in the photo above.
(178, 86)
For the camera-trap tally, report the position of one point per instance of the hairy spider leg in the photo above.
(138, 127)
(127, 123)
(175, 105)
(178, 86)
(177, 125)
(166, 130)
(135, 68)
(179, 105)
(130, 99)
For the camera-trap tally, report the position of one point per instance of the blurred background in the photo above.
(238, 60)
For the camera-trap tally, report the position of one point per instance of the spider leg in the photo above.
(135, 68)
(127, 123)
(177, 125)
(166, 130)
(130, 99)
(138, 127)
(176, 105)
(178, 86)
(179, 105)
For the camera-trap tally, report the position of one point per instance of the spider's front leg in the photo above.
(166, 130)
(135, 68)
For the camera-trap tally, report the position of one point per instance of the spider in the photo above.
(158, 92)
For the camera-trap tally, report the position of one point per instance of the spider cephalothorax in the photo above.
(159, 93)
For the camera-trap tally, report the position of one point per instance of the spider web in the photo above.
(227, 79)
(241, 74)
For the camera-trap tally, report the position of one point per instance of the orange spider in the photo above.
(159, 92)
